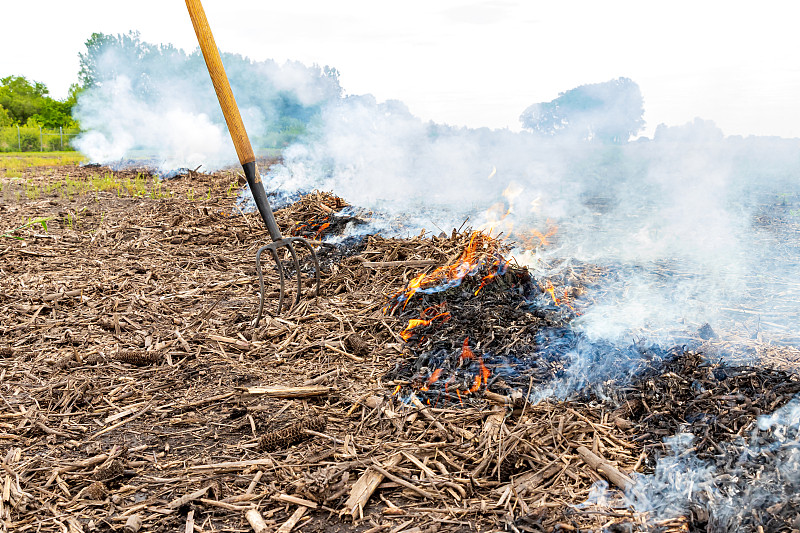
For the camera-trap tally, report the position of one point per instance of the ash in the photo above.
(752, 484)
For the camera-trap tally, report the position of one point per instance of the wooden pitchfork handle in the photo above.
(248, 160)
(232, 116)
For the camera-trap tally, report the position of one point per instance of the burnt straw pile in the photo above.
(435, 385)
(483, 323)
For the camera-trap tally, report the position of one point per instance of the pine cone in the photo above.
(509, 466)
(356, 344)
(65, 361)
(292, 434)
(93, 359)
(95, 491)
(109, 470)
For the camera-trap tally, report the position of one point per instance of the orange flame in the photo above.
(434, 377)
(483, 376)
(447, 384)
(433, 310)
(317, 225)
(466, 351)
(498, 214)
(480, 380)
(417, 322)
(558, 301)
(543, 237)
(485, 280)
(477, 253)
(551, 291)
(321, 229)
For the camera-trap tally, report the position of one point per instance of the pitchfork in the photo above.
(248, 160)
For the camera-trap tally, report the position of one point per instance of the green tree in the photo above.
(54, 114)
(89, 60)
(24, 101)
(129, 50)
(21, 98)
(284, 99)
(608, 112)
(5, 118)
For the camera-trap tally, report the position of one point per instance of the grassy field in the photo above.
(66, 186)
(26, 177)
(14, 162)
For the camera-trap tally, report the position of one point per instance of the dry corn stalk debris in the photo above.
(126, 356)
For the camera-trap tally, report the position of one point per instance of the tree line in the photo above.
(282, 100)
(609, 112)
(27, 103)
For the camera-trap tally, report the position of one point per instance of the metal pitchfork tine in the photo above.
(248, 160)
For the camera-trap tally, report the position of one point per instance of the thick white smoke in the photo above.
(156, 104)
(676, 216)
(694, 227)
(122, 125)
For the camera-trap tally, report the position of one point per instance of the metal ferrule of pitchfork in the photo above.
(247, 158)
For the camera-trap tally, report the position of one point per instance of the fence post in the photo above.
(41, 140)
(19, 140)
(61, 132)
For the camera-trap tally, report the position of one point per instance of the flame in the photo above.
(498, 214)
(494, 271)
(466, 352)
(549, 289)
(417, 322)
(533, 238)
(483, 375)
(433, 378)
(467, 356)
(543, 238)
(448, 382)
(481, 250)
(321, 229)
(436, 309)
(317, 225)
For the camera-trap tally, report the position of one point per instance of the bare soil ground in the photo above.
(136, 392)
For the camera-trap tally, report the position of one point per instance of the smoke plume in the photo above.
(156, 103)
(693, 228)
(680, 216)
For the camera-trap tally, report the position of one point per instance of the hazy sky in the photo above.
(473, 63)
